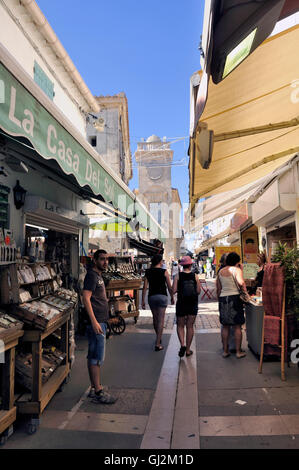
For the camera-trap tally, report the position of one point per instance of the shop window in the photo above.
(43, 81)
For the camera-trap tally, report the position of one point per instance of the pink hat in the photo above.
(186, 260)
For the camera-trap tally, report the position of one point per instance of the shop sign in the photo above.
(22, 115)
(250, 270)
(250, 244)
(221, 250)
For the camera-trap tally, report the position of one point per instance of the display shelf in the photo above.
(8, 412)
(26, 284)
(7, 418)
(10, 286)
(27, 405)
(40, 335)
(35, 402)
(123, 267)
(124, 284)
(134, 313)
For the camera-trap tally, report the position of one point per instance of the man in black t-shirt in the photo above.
(96, 305)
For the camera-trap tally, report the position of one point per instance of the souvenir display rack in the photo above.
(120, 277)
(11, 330)
(32, 293)
(35, 402)
(21, 282)
(142, 262)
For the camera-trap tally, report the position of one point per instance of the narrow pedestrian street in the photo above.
(203, 401)
(149, 187)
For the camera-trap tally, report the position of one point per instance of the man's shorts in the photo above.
(96, 345)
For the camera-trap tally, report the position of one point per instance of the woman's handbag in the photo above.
(244, 296)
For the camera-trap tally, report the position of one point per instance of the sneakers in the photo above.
(92, 393)
(104, 397)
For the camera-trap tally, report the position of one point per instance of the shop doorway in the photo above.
(47, 245)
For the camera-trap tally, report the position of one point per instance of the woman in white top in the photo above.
(231, 308)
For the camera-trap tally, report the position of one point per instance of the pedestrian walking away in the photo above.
(174, 270)
(208, 268)
(200, 266)
(231, 307)
(158, 281)
(96, 305)
(222, 262)
(187, 286)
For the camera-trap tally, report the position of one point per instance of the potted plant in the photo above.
(289, 259)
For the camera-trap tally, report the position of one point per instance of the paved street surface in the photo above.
(203, 401)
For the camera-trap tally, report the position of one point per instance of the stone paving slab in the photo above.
(233, 373)
(250, 442)
(268, 414)
(70, 439)
(129, 401)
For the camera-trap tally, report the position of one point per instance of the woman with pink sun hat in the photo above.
(187, 286)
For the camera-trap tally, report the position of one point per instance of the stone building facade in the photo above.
(154, 158)
(108, 132)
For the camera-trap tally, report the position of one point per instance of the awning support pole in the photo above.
(242, 172)
(256, 130)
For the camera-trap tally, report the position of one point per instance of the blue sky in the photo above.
(147, 49)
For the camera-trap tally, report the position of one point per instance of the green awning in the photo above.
(113, 225)
(21, 115)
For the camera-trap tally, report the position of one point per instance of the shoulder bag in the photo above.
(244, 296)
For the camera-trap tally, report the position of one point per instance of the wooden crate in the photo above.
(49, 363)
(33, 319)
(6, 333)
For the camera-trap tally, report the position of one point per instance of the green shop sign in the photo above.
(22, 115)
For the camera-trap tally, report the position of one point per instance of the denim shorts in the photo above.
(158, 301)
(96, 345)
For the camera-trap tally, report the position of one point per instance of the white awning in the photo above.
(222, 204)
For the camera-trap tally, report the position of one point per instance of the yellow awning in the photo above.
(264, 90)
(212, 241)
